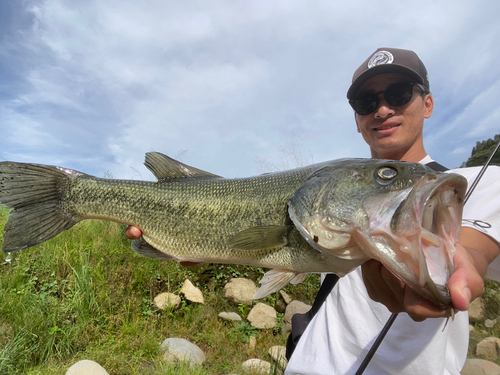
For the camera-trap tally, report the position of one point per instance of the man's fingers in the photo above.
(133, 233)
(462, 281)
(377, 288)
(384, 287)
(419, 308)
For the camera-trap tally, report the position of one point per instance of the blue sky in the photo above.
(229, 87)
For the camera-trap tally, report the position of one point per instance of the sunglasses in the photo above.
(396, 94)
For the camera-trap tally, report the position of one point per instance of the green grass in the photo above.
(86, 295)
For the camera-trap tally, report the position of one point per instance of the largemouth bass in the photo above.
(327, 217)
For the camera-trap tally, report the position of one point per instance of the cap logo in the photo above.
(380, 58)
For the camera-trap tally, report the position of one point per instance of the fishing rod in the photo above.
(393, 317)
(481, 172)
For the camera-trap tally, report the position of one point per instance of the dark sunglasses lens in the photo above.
(365, 104)
(398, 94)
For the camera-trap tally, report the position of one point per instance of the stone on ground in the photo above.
(252, 342)
(192, 293)
(278, 354)
(256, 366)
(262, 316)
(167, 301)
(488, 323)
(475, 366)
(285, 297)
(232, 316)
(240, 290)
(294, 307)
(177, 349)
(489, 348)
(476, 310)
(86, 367)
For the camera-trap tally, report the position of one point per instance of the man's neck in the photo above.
(413, 154)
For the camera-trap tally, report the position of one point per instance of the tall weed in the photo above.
(81, 294)
(15, 351)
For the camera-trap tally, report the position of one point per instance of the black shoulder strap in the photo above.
(325, 289)
(300, 321)
(437, 167)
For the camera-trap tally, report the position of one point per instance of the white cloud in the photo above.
(99, 83)
(207, 86)
(24, 132)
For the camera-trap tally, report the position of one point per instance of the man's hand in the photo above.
(474, 252)
(134, 233)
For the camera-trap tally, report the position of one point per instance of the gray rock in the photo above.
(474, 366)
(86, 367)
(490, 323)
(489, 348)
(285, 297)
(262, 316)
(294, 307)
(256, 366)
(192, 293)
(177, 349)
(280, 306)
(230, 316)
(476, 310)
(167, 300)
(240, 290)
(278, 354)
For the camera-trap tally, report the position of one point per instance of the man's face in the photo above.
(395, 132)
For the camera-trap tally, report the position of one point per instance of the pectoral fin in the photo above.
(260, 237)
(275, 280)
(141, 247)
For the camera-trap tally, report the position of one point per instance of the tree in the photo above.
(482, 152)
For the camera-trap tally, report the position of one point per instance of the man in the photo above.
(391, 96)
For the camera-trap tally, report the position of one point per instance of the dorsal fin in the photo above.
(164, 167)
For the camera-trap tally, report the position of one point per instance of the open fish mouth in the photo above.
(414, 235)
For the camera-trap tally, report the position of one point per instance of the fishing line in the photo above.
(474, 184)
(393, 317)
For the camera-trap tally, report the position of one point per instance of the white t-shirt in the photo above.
(347, 324)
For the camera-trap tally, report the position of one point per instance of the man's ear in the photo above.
(428, 105)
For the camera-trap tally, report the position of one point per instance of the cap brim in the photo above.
(377, 70)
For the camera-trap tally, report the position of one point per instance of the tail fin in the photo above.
(34, 193)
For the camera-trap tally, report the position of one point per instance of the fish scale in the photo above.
(180, 217)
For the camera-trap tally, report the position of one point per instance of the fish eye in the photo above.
(387, 173)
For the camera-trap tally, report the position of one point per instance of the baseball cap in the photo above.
(389, 60)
